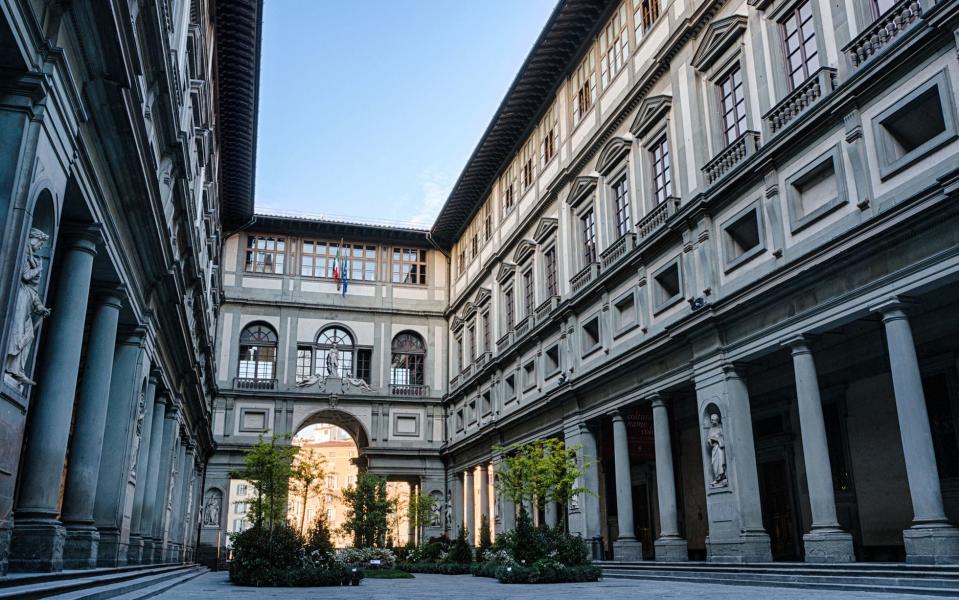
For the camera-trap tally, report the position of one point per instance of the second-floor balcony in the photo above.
(617, 250)
(253, 383)
(504, 342)
(657, 217)
(482, 359)
(739, 150)
(547, 307)
(586, 275)
(410, 390)
(819, 84)
(523, 326)
(883, 31)
(465, 372)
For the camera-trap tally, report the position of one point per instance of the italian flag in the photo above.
(336, 268)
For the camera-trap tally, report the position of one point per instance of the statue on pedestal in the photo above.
(211, 509)
(333, 362)
(717, 451)
(27, 306)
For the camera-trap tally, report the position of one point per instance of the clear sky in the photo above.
(370, 108)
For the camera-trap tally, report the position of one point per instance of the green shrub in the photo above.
(259, 553)
(484, 569)
(460, 551)
(548, 571)
(318, 538)
(431, 551)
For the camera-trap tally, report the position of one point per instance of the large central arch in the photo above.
(342, 419)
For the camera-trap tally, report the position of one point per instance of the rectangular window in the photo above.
(459, 354)
(509, 308)
(486, 333)
(588, 230)
(645, 14)
(613, 46)
(528, 293)
(364, 359)
(409, 266)
(621, 204)
(882, 6)
(528, 162)
(549, 136)
(475, 244)
(582, 87)
(487, 222)
(471, 343)
(732, 101)
(331, 482)
(265, 254)
(304, 363)
(317, 259)
(799, 44)
(506, 188)
(662, 179)
(549, 259)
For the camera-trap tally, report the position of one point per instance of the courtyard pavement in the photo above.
(217, 586)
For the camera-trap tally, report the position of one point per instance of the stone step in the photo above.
(47, 585)
(903, 582)
(856, 569)
(140, 588)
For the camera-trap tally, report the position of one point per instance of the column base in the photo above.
(112, 550)
(671, 549)
(6, 528)
(157, 552)
(627, 550)
(172, 553)
(147, 551)
(828, 546)
(135, 550)
(932, 545)
(37, 545)
(750, 547)
(80, 549)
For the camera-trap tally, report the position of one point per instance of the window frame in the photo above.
(255, 344)
(621, 203)
(787, 14)
(274, 252)
(422, 262)
(588, 241)
(660, 141)
(741, 124)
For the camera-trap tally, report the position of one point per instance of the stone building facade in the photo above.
(715, 244)
(118, 123)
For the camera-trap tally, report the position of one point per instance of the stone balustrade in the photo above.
(801, 98)
(504, 342)
(523, 327)
(582, 279)
(252, 383)
(548, 306)
(410, 390)
(657, 217)
(883, 31)
(733, 154)
(617, 250)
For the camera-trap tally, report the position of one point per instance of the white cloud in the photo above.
(435, 186)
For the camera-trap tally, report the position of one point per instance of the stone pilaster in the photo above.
(135, 549)
(584, 511)
(38, 536)
(483, 475)
(670, 546)
(80, 549)
(152, 476)
(167, 453)
(469, 507)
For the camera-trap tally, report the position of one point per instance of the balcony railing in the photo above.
(251, 383)
(657, 217)
(465, 372)
(805, 95)
(522, 327)
(410, 390)
(482, 359)
(741, 148)
(544, 309)
(617, 250)
(454, 381)
(504, 342)
(883, 31)
(582, 279)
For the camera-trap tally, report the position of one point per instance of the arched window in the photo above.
(339, 340)
(257, 353)
(409, 356)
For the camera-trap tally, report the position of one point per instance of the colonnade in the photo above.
(121, 430)
(735, 526)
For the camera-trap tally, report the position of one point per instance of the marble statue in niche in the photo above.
(28, 305)
(717, 451)
(448, 510)
(211, 508)
(333, 362)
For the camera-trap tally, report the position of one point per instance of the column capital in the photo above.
(83, 237)
(482, 467)
(110, 294)
(657, 400)
(618, 414)
(893, 307)
(131, 336)
(798, 344)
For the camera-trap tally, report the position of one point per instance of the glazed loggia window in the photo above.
(409, 265)
(265, 254)
(257, 352)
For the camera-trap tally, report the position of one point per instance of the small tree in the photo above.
(460, 551)
(485, 540)
(419, 509)
(267, 467)
(367, 511)
(306, 474)
(319, 538)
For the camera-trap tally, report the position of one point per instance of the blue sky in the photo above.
(369, 109)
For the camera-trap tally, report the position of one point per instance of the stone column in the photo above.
(483, 475)
(826, 541)
(38, 537)
(584, 509)
(626, 547)
(167, 452)
(135, 550)
(176, 498)
(551, 513)
(152, 475)
(114, 502)
(670, 546)
(80, 492)
(469, 505)
(456, 499)
(931, 539)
